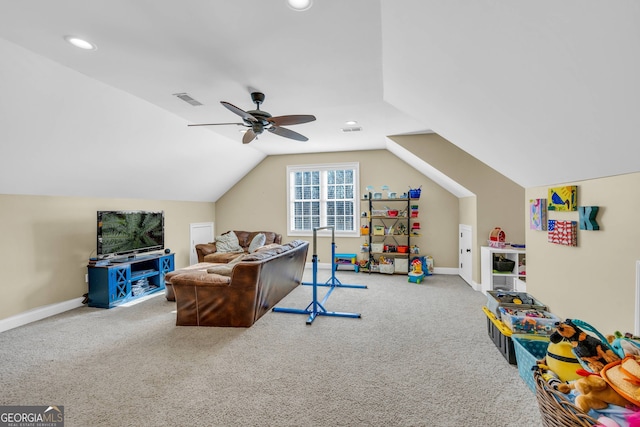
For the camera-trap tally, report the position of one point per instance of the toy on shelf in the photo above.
(414, 193)
(497, 238)
(385, 265)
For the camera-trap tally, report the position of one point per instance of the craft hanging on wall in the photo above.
(563, 232)
(538, 214)
(588, 217)
(563, 198)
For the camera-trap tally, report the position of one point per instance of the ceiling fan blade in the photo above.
(288, 133)
(295, 119)
(239, 112)
(249, 136)
(216, 124)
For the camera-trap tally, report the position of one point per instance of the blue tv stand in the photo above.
(113, 284)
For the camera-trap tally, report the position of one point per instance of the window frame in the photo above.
(323, 169)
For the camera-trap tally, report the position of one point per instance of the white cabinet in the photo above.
(514, 280)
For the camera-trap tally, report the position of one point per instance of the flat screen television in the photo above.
(129, 232)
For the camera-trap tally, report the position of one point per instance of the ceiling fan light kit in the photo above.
(258, 120)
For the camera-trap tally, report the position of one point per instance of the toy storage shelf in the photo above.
(116, 283)
(396, 231)
(513, 280)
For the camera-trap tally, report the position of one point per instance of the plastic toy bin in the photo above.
(378, 230)
(529, 349)
(496, 299)
(528, 321)
(501, 336)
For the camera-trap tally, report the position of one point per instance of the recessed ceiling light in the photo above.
(78, 42)
(300, 5)
(351, 122)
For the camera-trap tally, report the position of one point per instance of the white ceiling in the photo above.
(544, 92)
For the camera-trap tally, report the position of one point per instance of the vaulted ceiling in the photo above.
(544, 92)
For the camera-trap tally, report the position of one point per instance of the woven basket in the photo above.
(555, 409)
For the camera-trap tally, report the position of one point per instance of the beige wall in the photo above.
(497, 201)
(47, 241)
(259, 201)
(594, 281)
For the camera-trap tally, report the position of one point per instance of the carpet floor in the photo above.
(419, 355)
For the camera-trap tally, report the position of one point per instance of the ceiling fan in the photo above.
(258, 120)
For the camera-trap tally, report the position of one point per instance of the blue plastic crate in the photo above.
(529, 349)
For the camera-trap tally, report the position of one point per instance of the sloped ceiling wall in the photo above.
(65, 134)
(544, 92)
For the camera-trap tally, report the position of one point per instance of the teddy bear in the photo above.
(595, 393)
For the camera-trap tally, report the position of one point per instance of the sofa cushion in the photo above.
(228, 243)
(257, 242)
(200, 278)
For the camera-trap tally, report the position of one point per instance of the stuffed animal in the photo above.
(562, 361)
(594, 391)
(627, 345)
(548, 375)
(591, 351)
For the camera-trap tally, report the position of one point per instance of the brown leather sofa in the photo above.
(257, 283)
(207, 252)
(168, 286)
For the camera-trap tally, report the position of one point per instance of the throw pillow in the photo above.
(257, 241)
(228, 242)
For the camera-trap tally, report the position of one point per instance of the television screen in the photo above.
(129, 232)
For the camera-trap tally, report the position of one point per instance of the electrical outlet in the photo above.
(86, 278)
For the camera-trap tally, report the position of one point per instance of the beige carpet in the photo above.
(419, 356)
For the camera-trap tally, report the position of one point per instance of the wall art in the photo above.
(563, 232)
(538, 214)
(563, 198)
(588, 217)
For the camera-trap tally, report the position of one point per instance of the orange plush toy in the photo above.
(594, 391)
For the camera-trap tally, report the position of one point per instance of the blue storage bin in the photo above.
(529, 349)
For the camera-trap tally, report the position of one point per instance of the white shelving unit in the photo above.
(514, 280)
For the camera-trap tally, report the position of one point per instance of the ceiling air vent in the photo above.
(186, 98)
(352, 129)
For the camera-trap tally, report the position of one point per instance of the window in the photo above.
(323, 196)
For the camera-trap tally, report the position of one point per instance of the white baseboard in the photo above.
(446, 270)
(39, 314)
(53, 309)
